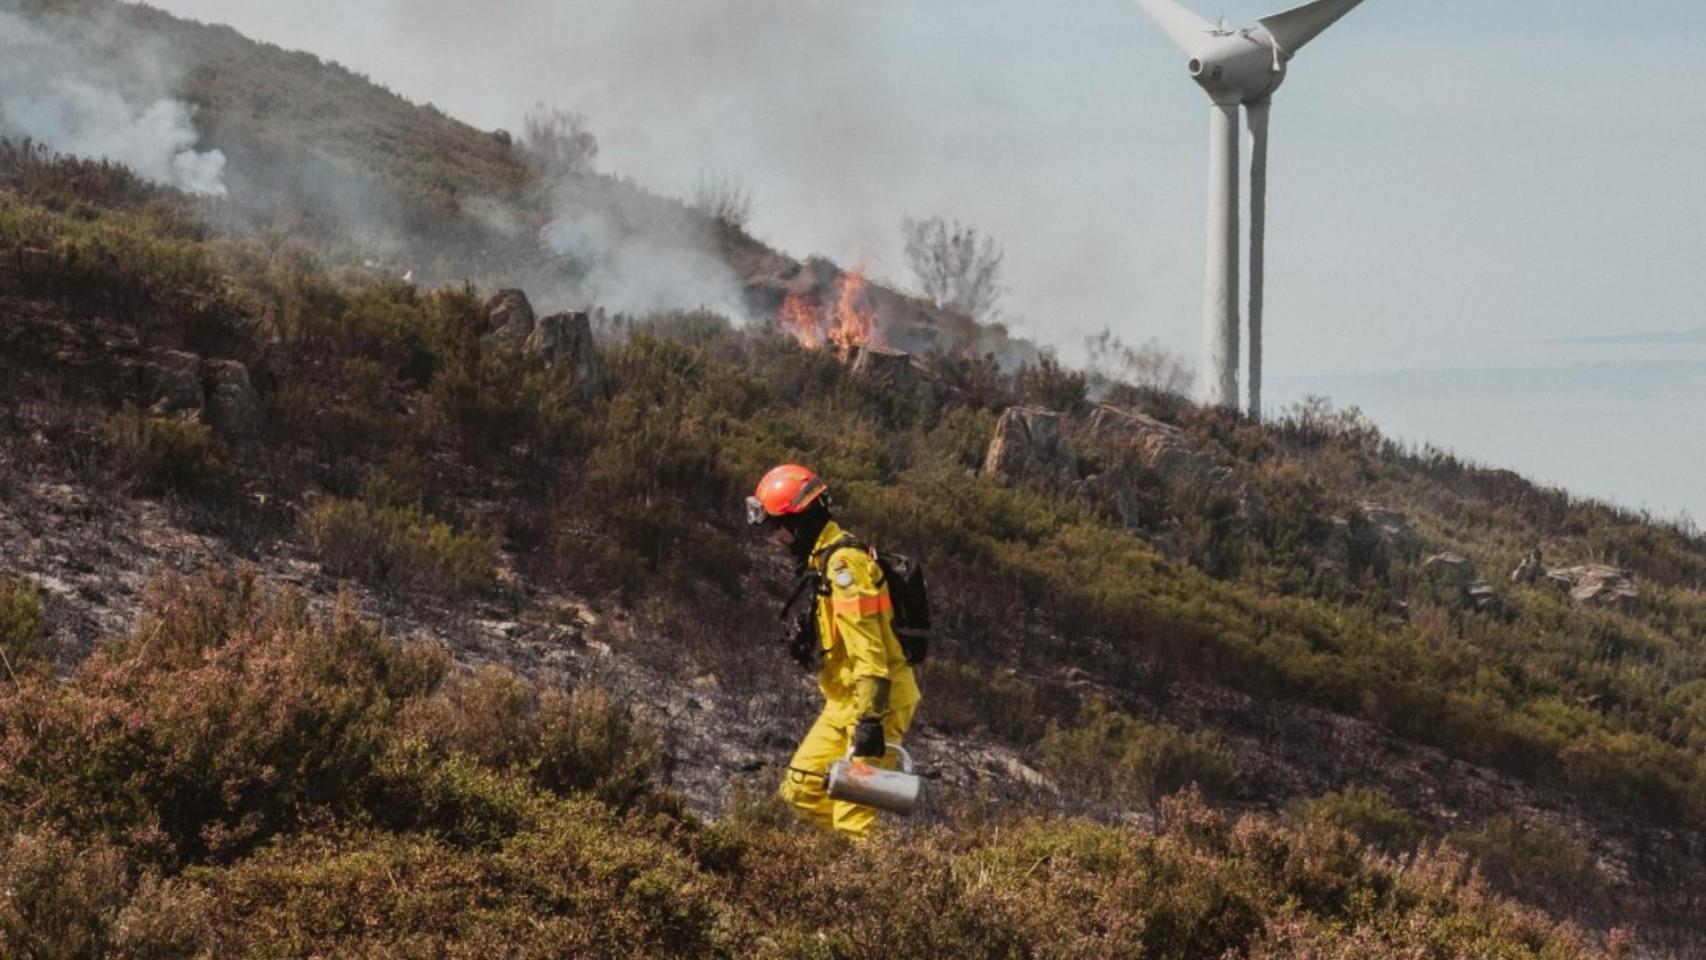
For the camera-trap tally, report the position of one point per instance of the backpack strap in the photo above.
(847, 541)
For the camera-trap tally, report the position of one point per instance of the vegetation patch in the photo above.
(1111, 757)
(400, 546)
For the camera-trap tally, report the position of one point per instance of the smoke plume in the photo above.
(636, 253)
(76, 90)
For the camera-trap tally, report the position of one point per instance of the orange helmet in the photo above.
(784, 491)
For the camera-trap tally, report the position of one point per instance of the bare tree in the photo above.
(723, 197)
(558, 142)
(957, 269)
(1151, 366)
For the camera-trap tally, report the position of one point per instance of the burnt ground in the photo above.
(729, 721)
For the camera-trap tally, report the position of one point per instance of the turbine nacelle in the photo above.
(1236, 68)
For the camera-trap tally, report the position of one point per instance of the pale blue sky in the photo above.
(1462, 191)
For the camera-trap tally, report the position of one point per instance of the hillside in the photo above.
(1203, 684)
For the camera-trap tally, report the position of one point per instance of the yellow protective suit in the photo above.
(863, 673)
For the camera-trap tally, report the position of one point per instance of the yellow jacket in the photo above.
(855, 625)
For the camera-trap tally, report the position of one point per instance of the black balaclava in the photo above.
(806, 526)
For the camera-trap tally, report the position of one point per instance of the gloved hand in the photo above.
(868, 739)
(801, 639)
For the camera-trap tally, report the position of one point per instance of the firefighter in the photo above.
(868, 687)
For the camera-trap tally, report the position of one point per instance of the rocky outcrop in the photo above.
(509, 318)
(1367, 538)
(564, 341)
(232, 408)
(1596, 585)
(1030, 445)
(892, 370)
(1160, 448)
(171, 383)
(219, 393)
(1393, 529)
(1454, 577)
(1531, 570)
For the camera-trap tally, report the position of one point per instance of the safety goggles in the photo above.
(756, 515)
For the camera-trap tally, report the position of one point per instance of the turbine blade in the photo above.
(1296, 27)
(1183, 27)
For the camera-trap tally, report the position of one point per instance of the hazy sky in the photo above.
(1487, 224)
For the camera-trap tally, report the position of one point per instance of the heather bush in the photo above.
(399, 546)
(1369, 814)
(226, 716)
(306, 786)
(1051, 386)
(1112, 757)
(566, 743)
(58, 899)
(162, 455)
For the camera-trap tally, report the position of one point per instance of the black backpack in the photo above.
(904, 577)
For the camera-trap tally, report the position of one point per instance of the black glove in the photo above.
(868, 740)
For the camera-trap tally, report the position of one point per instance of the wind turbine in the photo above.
(1238, 68)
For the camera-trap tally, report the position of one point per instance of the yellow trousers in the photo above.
(826, 742)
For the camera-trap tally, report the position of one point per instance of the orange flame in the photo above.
(855, 322)
(849, 322)
(800, 319)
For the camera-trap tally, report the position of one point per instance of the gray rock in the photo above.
(509, 318)
(565, 342)
(1448, 567)
(171, 382)
(1531, 570)
(232, 408)
(1454, 575)
(892, 370)
(1482, 598)
(1393, 528)
(1161, 448)
(1597, 585)
(1030, 445)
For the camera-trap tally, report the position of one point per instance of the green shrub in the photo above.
(20, 624)
(169, 456)
(1535, 860)
(1367, 813)
(1053, 387)
(1113, 757)
(968, 699)
(399, 547)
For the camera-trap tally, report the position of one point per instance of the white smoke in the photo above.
(638, 254)
(77, 95)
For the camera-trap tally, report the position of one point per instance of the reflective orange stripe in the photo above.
(861, 606)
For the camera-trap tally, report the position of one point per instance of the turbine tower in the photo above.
(1238, 68)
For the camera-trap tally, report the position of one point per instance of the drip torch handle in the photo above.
(905, 758)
